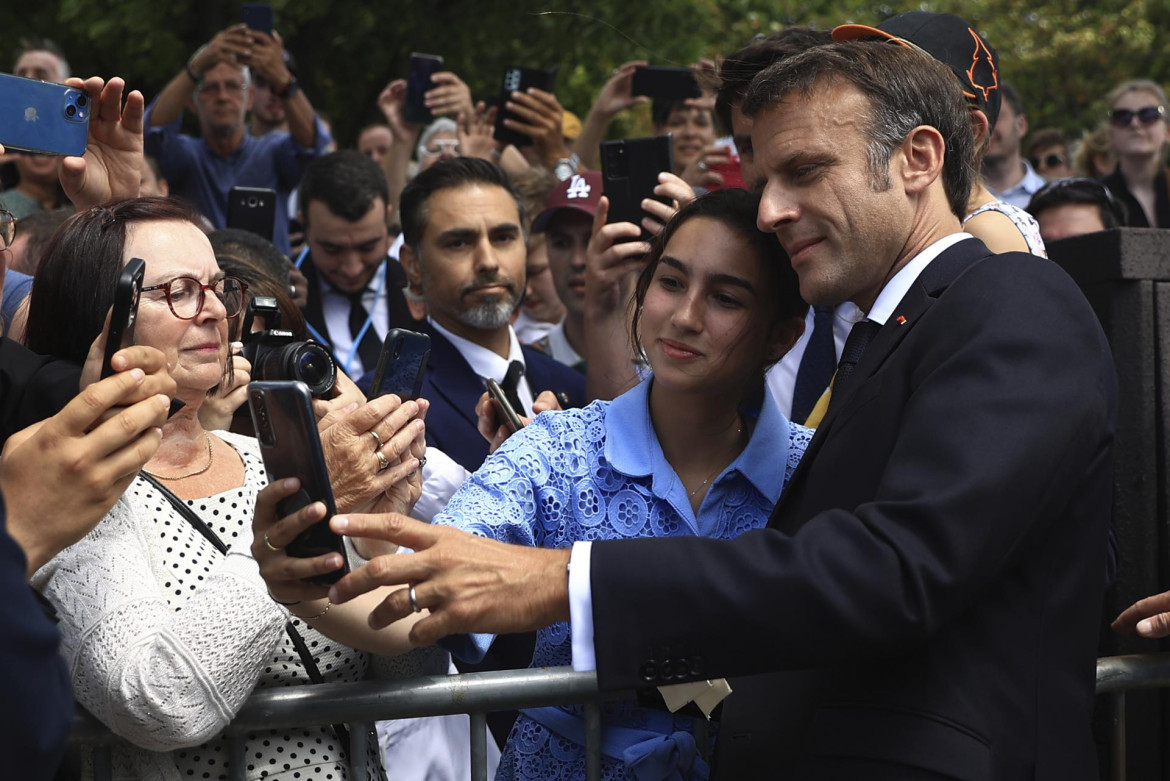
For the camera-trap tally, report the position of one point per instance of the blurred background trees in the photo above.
(1062, 56)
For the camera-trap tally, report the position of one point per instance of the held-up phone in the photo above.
(732, 175)
(252, 209)
(511, 419)
(282, 413)
(629, 172)
(258, 17)
(124, 312)
(518, 79)
(665, 83)
(422, 68)
(401, 364)
(42, 118)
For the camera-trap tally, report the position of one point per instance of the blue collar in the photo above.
(632, 447)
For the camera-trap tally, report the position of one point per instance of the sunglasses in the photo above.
(1051, 160)
(1147, 115)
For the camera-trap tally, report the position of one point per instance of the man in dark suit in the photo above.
(931, 579)
(464, 248)
(355, 290)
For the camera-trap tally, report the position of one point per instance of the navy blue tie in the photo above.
(816, 365)
(859, 338)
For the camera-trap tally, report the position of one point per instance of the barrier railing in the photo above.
(478, 694)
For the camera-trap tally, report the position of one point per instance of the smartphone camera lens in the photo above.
(70, 111)
(82, 100)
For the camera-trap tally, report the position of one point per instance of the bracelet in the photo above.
(328, 605)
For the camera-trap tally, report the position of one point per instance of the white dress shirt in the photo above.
(335, 308)
(580, 590)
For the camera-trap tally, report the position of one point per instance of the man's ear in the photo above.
(784, 335)
(922, 154)
(1022, 124)
(409, 260)
(980, 125)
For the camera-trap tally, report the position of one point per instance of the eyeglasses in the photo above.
(440, 146)
(1147, 115)
(185, 295)
(213, 88)
(7, 229)
(1051, 160)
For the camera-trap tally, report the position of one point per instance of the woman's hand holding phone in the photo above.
(285, 575)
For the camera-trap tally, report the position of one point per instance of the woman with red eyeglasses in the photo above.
(1137, 129)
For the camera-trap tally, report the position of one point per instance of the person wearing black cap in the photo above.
(947, 38)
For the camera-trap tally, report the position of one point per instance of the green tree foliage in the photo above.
(1062, 56)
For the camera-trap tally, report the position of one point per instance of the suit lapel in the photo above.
(931, 283)
(451, 375)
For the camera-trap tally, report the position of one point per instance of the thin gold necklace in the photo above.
(201, 470)
(701, 485)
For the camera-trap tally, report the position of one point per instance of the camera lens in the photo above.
(311, 364)
(82, 100)
(70, 110)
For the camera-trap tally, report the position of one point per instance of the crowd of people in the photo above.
(824, 415)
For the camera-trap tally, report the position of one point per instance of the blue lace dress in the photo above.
(598, 473)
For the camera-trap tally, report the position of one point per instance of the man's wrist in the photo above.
(289, 90)
(193, 73)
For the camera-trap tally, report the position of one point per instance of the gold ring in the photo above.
(383, 462)
(271, 547)
(377, 439)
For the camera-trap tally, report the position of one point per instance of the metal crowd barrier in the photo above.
(477, 694)
(359, 704)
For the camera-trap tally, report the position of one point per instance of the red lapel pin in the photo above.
(901, 320)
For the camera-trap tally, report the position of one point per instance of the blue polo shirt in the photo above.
(201, 176)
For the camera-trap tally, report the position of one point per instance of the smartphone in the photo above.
(258, 17)
(252, 209)
(518, 79)
(511, 419)
(401, 364)
(282, 413)
(124, 312)
(629, 173)
(731, 173)
(422, 68)
(665, 83)
(42, 118)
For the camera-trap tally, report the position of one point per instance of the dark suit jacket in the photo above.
(935, 565)
(32, 387)
(453, 390)
(398, 313)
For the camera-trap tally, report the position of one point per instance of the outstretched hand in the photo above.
(111, 168)
(468, 583)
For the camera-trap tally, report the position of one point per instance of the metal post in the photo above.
(592, 742)
(1118, 773)
(237, 757)
(479, 733)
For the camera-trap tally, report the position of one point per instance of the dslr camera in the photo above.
(276, 355)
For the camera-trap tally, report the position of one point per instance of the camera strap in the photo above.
(340, 731)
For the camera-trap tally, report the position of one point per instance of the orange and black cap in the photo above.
(951, 41)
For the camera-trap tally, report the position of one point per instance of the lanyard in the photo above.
(353, 348)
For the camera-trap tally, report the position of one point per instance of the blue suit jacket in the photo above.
(453, 390)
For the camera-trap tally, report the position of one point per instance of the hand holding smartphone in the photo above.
(511, 419)
(629, 172)
(401, 364)
(286, 428)
(124, 311)
(422, 68)
(518, 79)
(42, 118)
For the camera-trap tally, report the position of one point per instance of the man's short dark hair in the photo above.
(347, 182)
(251, 248)
(738, 69)
(1078, 190)
(1011, 96)
(448, 175)
(42, 45)
(38, 228)
(905, 87)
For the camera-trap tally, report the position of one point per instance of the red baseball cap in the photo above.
(581, 192)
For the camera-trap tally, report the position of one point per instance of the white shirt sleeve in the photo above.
(442, 477)
(581, 608)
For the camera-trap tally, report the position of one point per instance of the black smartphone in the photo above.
(252, 209)
(629, 173)
(422, 67)
(258, 17)
(665, 83)
(511, 419)
(42, 118)
(124, 312)
(518, 79)
(282, 413)
(401, 364)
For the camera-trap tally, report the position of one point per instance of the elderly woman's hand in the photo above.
(217, 411)
(368, 449)
(345, 395)
(285, 575)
